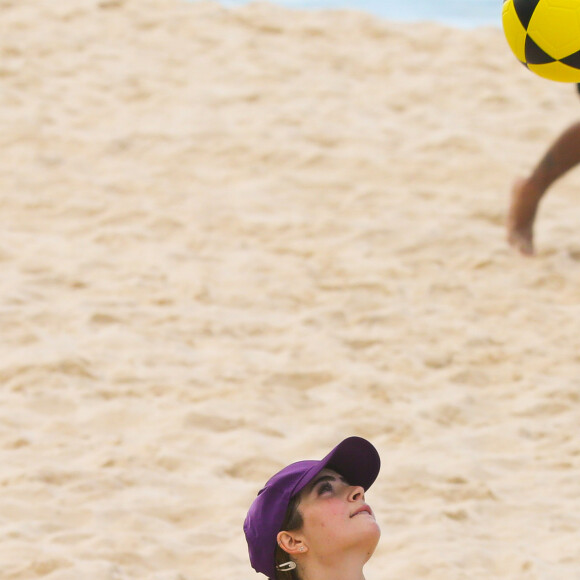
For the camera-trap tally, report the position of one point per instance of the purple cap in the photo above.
(354, 458)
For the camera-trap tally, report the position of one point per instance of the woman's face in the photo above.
(336, 517)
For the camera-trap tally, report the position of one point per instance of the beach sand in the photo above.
(231, 238)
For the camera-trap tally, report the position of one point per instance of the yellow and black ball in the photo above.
(545, 36)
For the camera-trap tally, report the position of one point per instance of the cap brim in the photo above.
(355, 458)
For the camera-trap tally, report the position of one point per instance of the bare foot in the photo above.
(521, 216)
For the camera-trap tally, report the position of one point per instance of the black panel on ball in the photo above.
(534, 54)
(573, 60)
(524, 10)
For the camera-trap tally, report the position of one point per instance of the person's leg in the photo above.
(527, 193)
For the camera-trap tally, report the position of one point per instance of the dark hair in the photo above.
(292, 521)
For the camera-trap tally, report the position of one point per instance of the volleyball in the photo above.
(544, 35)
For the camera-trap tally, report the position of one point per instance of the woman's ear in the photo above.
(291, 543)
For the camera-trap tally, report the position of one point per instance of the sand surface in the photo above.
(230, 239)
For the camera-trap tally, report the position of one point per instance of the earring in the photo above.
(301, 549)
(287, 566)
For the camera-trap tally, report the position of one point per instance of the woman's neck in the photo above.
(342, 569)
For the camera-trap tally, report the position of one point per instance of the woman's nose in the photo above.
(357, 493)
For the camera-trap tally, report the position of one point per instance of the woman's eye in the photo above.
(324, 487)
